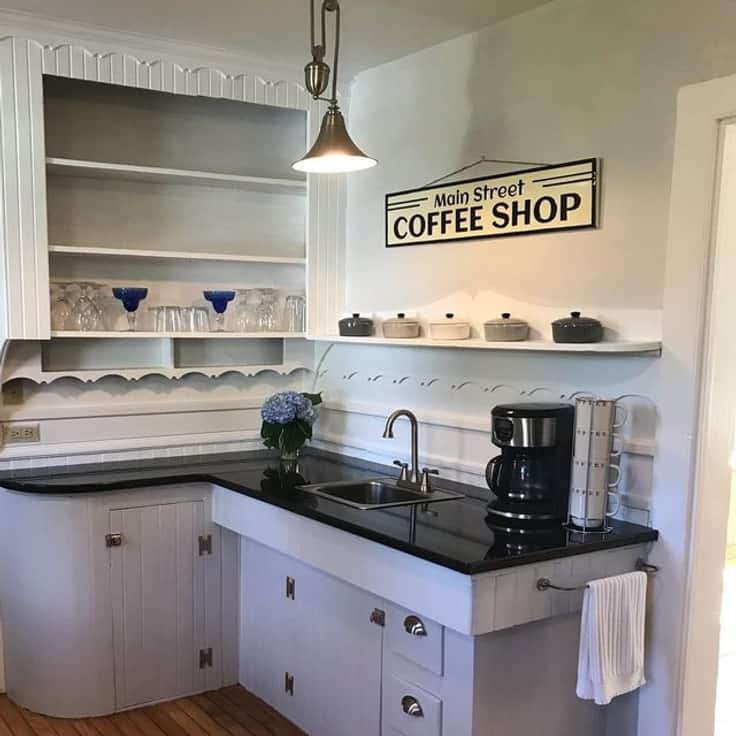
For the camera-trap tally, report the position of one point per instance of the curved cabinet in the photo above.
(77, 642)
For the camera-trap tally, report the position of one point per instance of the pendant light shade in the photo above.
(334, 151)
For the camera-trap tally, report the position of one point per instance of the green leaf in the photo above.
(316, 399)
(271, 434)
(292, 437)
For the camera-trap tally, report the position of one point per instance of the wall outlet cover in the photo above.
(16, 433)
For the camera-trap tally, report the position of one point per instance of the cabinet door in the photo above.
(269, 625)
(346, 658)
(321, 634)
(158, 599)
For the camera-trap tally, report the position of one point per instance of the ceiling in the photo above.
(275, 31)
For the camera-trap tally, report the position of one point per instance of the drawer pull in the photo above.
(415, 626)
(410, 706)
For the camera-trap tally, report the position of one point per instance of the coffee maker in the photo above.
(530, 479)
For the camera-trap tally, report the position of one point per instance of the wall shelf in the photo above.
(539, 346)
(158, 175)
(179, 335)
(172, 255)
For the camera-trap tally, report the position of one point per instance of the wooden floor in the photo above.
(231, 711)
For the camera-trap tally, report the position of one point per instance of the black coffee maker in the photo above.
(530, 479)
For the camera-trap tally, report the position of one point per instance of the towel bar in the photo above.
(546, 583)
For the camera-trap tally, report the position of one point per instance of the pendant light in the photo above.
(334, 151)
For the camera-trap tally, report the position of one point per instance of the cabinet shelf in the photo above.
(179, 335)
(623, 347)
(172, 255)
(136, 374)
(158, 175)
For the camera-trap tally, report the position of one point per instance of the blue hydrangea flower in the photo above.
(288, 406)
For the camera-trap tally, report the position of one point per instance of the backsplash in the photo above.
(452, 393)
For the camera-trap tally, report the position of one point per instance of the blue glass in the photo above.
(219, 301)
(131, 297)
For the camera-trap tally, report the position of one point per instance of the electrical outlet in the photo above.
(21, 433)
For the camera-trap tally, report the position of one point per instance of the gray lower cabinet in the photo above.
(117, 599)
(309, 646)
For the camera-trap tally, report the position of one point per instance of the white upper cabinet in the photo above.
(131, 169)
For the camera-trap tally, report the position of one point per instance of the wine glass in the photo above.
(219, 301)
(86, 316)
(295, 312)
(60, 308)
(131, 297)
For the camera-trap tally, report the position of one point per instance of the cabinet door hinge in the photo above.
(113, 540)
(205, 658)
(205, 545)
(378, 617)
(288, 683)
(290, 588)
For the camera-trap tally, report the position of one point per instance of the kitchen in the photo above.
(109, 397)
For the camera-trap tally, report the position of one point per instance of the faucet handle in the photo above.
(426, 472)
(404, 474)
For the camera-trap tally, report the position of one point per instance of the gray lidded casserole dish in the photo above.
(400, 327)
(356, 326)
(506, 329)
(577, 329)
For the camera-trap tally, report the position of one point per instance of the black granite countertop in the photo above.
(459, 537)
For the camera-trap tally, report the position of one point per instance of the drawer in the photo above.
(415, 638)
(411, 711)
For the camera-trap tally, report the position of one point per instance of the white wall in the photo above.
(574, 78)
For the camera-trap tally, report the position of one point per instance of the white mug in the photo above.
(594, 516)
(594, 475)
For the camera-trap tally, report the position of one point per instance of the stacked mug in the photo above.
(595, 474)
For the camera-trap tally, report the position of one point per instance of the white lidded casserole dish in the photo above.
(449, 329)
(506, 329)
(401, 328)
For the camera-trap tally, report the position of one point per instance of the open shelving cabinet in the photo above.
(178, 193)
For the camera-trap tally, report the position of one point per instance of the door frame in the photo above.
(689, 508)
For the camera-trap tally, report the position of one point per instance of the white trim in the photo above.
(457, 421)
(130, 409)
(96, 447)
(681, 670)
(43, 27)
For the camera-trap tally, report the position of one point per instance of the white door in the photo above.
(158, 598)
(346, 658)
(315, 630)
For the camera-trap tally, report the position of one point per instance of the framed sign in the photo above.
(541, 199)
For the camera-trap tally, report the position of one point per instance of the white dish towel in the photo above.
(611, 658)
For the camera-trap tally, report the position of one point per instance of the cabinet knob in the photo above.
(415, 626)
(410, 705)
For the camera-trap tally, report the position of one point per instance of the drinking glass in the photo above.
(131, 297)
(61, 310)
(295, 313)
(195, 319)
(266, 311)
(219, 301)
(86, 316)
(168, 319)
(244, 316)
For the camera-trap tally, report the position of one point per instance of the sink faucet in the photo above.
(414, 477)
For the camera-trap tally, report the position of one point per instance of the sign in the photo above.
(542, 199)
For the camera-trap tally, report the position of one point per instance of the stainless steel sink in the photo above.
(376, 493)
